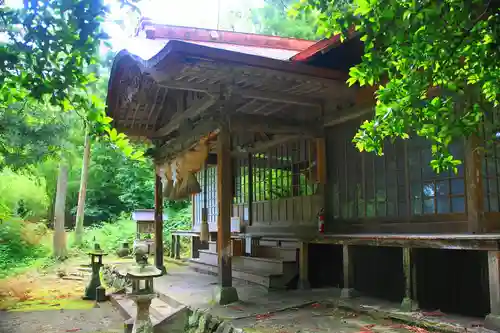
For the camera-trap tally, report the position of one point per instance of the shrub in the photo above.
(22, 194)
(20, 245)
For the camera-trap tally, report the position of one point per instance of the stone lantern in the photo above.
(91, 292)
(141, 275)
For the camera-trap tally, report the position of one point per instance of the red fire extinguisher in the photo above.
(321, 221)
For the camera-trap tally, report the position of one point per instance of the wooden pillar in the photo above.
(178, 247)
(492, 321)
(410, 302)
(227, 293)
(304, 266)
(474, 185)
(348, 272)
(250, 189)
(159, 224)
(172, 247)
(195, 247)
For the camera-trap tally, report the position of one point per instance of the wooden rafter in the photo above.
(185, 140)
(261, 146)
(275, 125)
(194, 110)
(245, 93)
(347, 114)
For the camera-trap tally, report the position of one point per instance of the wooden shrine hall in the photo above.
(258, 131)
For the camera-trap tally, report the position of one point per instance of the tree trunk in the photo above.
(60, 251)
(80, 211)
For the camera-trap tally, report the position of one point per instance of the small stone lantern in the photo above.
(141, 274)
(95, 281)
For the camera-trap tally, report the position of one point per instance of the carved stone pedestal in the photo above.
(142, 322)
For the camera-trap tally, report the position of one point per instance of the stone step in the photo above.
(283, 253)
(212, 246)
(160, 312)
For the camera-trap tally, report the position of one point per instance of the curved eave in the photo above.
(175, 51)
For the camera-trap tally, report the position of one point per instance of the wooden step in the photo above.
(268, 279)
(208, 257)
(160, 312)
(283, 253)
(274, 265)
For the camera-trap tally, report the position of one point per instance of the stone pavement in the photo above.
(294, 311)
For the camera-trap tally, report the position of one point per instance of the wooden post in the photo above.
(348, 272)
(178, 247)
(410, 302)
(492, 321)
(474, 185)
(304, 266)
(226, 293)
(250, 189)
(195, 247)
(172, 247)
(159, 223)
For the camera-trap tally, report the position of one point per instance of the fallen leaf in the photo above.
(74, 330)
(316, 305)
(263, 316)
(237, 308)
(436, 313)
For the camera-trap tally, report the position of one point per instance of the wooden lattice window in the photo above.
(210, 191)
(433, 193)
(284, 171)
(399, 183)
(241, 180)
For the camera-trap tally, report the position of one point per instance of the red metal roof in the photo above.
(261, 45)
(321, 46)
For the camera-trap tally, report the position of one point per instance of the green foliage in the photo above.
(436, 63)
(273, 19)
(48, 56)
(116, 184)
(29, 133)
(20, 245)
(177, 220)
(22, 194)
(110, 235)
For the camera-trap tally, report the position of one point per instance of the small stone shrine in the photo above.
(141, 274)
(145, 231)
(94, 291)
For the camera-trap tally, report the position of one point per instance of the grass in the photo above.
(29, 278)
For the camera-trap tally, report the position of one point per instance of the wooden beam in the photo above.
(159, 224)
(185, 140)
(347, 114)
(215, 89)
(194, 110)
(276, 125)
(261, 146)
(474, 185)
(286, 98)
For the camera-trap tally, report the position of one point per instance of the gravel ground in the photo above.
(100, 320)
